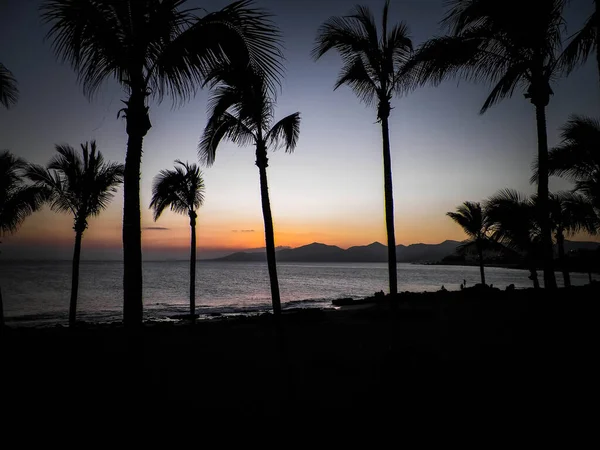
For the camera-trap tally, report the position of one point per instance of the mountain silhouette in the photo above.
(375, 252)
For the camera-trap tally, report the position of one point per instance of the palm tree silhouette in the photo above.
(181, 190)
(513, 222)
(152, 49)
(473, 220)
(584, 42)
(242, 111)
(372, 67)
(9, 93)
(17, 200)
(577, 158)
(81, 185)
(570, 213)
(489, 42)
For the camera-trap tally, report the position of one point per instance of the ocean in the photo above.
(37, 293)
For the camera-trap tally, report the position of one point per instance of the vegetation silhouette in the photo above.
(9, 91)
(474, 222)
(17, 200)
(373, 67)
(152, 49)
(577, 158)
(82, 185)
(182, 191)
(513, 221)
(584, 42)
(570, 213)
(489, 42)
(242, 111)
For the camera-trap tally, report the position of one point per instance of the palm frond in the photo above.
(285, 132)
(20, 202)
(355, 75)
(505, 87)
(222, 127)
(181, 190)
(581, 45)
(470, 217)
(9, 92)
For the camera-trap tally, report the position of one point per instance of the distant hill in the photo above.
(375, 252)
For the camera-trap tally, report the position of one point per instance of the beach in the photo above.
(493, 351)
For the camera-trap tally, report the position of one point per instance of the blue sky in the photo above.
(331, 189)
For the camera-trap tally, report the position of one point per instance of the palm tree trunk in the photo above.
(481, 271)
(261, 162)
(138, 125)
(560, 241)
(75, 279)
(193, 267)
(544, 206)
(389, 207)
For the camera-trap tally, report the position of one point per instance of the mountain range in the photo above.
(375, 252)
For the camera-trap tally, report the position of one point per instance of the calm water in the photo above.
(38, 293)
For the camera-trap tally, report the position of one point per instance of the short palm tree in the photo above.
(372, 67)
(585, 41)
(82, 185)
(473, 220)
(242, 111)
(511, 47)
(17, 200)
(570, 213)
(154, 48)
(513, 222)
(181, 190)
(9, 93)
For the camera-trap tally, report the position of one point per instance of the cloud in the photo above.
(243, 231)
(156, 228)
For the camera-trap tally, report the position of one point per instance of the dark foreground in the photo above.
(515, 356)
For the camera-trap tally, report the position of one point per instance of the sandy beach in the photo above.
(487, 350)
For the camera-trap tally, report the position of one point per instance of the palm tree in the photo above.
(511, 47)
(372, 68)
(17, 200)
(181, 190)
(242, 111)
(9, 93)
(473, 220)
(577, 158)
(513, 222)
(585, 41)
(81, 185)
(154, 48)
(570, 213)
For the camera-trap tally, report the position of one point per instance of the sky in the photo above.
(330, 189)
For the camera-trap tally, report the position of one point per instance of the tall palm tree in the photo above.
(17, 200)
(510, 47)
(570, 213)
(473, 220)
(372, 64)
(242, 111)
(9, 92)
(514, 223)
(81, 185)
(154, 48)
(585, 41)
(181, 190)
